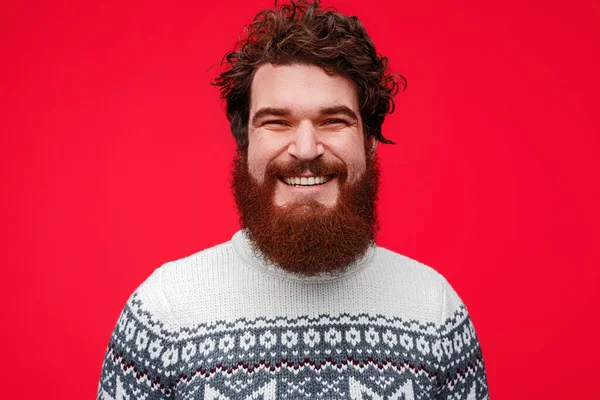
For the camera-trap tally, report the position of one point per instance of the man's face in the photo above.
(305, 187)
(299, 113)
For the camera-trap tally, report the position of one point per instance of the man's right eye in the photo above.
(275, 122)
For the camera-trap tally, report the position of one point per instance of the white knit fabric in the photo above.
(209, 312)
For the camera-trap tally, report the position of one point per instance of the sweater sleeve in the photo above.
(139, 355)
(461, 374)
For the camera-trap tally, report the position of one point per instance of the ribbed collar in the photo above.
(246, 251)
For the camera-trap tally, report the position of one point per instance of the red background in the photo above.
(115, 157)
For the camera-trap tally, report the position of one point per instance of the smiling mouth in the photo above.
(305, 181)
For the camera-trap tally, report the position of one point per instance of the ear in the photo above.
(372, 143)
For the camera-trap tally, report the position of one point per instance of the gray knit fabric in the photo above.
(221, 324)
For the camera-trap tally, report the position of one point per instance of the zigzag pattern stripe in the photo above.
(242, 324)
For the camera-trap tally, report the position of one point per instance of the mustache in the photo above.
(316, 167)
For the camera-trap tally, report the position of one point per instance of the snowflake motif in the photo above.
(471, 329)
(226, 343)
(141, 340)
(353, 336)
(406, 341)
(467, 337)
(311, 337)
(170, 357)
(155, 348)
(188, 351)
(447, 346)
(289, 339)
(207, 346)
(457, 342)
(422, 345)
(372, 336)
(390, 338)
(247, 340)
(122, 323)
(130, 330)
(333, 337)
(267, 340)
(436, 350)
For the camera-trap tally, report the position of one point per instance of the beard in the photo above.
(305, 237)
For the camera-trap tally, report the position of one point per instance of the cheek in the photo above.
(356, 168)
(259, 156)
(256, 166)
(356, 162)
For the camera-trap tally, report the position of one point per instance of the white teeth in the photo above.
(304, 181)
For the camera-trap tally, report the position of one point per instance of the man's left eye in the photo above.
(335, 121)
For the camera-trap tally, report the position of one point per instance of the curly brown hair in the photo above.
(302, 33)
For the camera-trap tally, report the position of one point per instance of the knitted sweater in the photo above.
(222, 324)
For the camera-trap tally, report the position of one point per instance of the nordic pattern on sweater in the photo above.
(251, 332)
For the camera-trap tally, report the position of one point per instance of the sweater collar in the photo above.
(244, 248)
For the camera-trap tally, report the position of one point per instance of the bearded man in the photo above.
(301, 303)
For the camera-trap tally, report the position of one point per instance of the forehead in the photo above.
(300, 88)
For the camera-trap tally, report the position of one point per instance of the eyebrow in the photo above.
(284, 112)
(269, 112)
(339, 110)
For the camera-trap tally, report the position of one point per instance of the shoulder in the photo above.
(407, 272)
(418, 286)
(184, 273)
(191, 283)
(406, 267)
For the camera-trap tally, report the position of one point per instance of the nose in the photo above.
(306, 144)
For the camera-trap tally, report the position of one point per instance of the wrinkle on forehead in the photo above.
(301, 88)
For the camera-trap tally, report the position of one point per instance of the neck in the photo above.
(249, 253)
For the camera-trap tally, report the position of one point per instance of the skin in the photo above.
(299, 112)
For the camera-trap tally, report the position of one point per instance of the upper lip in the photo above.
(305, 175)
